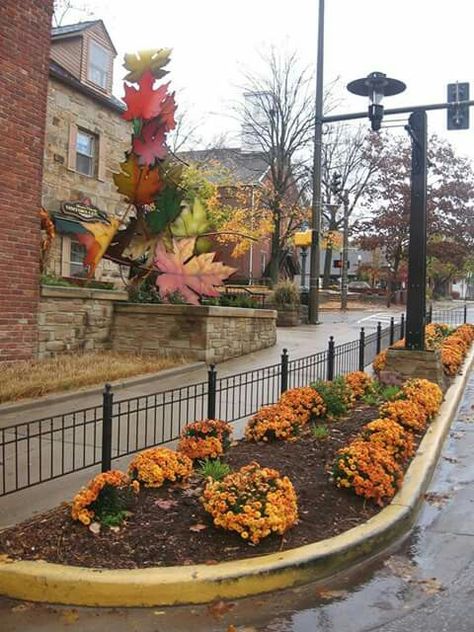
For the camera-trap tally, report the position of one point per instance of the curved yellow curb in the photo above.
(55, 583)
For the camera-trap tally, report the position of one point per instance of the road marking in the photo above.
(380, 317)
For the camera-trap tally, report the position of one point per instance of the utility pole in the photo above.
(345, 249)
(317, 161)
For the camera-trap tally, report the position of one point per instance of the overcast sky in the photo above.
(425, 43)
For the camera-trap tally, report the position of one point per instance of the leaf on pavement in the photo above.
(331, 594)
(430, 586)
(69, 617)
(437, 499)
(219, 608)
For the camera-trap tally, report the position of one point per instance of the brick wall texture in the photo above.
(25, 29)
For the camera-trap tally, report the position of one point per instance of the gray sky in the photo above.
(425, 43)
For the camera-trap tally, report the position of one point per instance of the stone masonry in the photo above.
(75, 319)
(212, 334)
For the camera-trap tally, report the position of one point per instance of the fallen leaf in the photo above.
(23, 607)
(231, 628)
(331, 594)
(162, 503)
(115, 529)
(198, 527)
(94, 527)
(220, 608)
(401, 566)
(430, 586)
(4, 559)
(211, 562)
(450, 459)
(436, 499)
(68, 617)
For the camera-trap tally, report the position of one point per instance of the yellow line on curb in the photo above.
(56, 583)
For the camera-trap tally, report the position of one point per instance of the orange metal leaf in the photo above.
(146, 103)
(140, 185)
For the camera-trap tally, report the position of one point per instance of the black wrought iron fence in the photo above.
(45, 449)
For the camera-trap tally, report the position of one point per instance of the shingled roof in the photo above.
(72, 30)
(246, 167)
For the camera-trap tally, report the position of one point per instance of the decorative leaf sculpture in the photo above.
(147, 103)
(152, 60)
(150, 146)
(191, 276)
(168, 207)
(192, 222)
(140, 185)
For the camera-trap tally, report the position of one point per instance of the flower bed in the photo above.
(304, 490)
(205, 439)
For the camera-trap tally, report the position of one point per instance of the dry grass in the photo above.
(68, 372)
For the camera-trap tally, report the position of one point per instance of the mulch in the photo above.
(180, 532)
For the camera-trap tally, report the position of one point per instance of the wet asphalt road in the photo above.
(426, 583)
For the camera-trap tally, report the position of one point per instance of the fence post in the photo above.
(392, 330)
(211, 391)
(330, 359)
(107, 403)
(465, 313)
(362, 349)
(379, 337)
(284, 371)
(430, 314)
(402, 327)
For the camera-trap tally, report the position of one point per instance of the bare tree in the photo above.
(352, 153)
(278, 121)
(63, 8)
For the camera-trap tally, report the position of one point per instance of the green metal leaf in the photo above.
(168, 207)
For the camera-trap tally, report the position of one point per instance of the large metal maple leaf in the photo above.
(147, 103)
(139, 184)
(190, 275)
(152, 60)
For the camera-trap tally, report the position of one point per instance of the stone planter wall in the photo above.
(208, 333)
(75, 319)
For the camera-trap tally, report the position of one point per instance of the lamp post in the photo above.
(303, 240)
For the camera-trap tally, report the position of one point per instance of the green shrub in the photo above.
(213, 468)
(336, 396)
(379, 393)
(286, 294)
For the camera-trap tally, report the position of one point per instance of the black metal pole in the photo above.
(402, 326)
(211, 392)
(284, 371)
(304, 256)
(330, 359)
(362, 349)
(392, 330)
(465, 313)
(107, 404)
(379, 337)
(416, 298)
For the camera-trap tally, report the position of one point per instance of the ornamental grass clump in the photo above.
(255, 502)
(205, 439)
(359, 383)
(391, 436)
(425, 394)
(106, 499)
(306, 403)
(154, 466)
(273, 422)
(369, 469)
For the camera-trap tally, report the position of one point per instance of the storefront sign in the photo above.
(84, 211)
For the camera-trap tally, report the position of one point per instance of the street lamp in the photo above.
(303, 240)
(376, 86)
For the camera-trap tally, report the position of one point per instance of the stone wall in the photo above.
(212, 334)
(75, 319)
(25, 32)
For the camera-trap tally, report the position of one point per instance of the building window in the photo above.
(98, 65)
(76, 259)
(86, 153)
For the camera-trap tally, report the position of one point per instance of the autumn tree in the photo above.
(450, 208)
(278, 121)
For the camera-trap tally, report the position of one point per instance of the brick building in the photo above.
(25, 29)
(85, 135)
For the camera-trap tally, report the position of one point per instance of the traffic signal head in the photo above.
(336, 183)
(458, 113)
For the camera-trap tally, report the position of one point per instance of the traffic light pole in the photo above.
(416, 297)
(345, 250)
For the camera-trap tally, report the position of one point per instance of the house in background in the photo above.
(249, 170)
(85, 135)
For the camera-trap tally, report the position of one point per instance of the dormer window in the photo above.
(99, 59)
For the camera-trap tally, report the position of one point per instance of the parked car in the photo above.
(358, 285)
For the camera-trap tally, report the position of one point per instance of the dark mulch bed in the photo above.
(183, 533)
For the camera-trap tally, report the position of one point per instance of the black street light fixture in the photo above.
(376, 86)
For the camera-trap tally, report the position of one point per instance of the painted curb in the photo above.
(57, 398)
(55, 583)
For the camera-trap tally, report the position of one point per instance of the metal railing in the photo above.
(45, 449)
